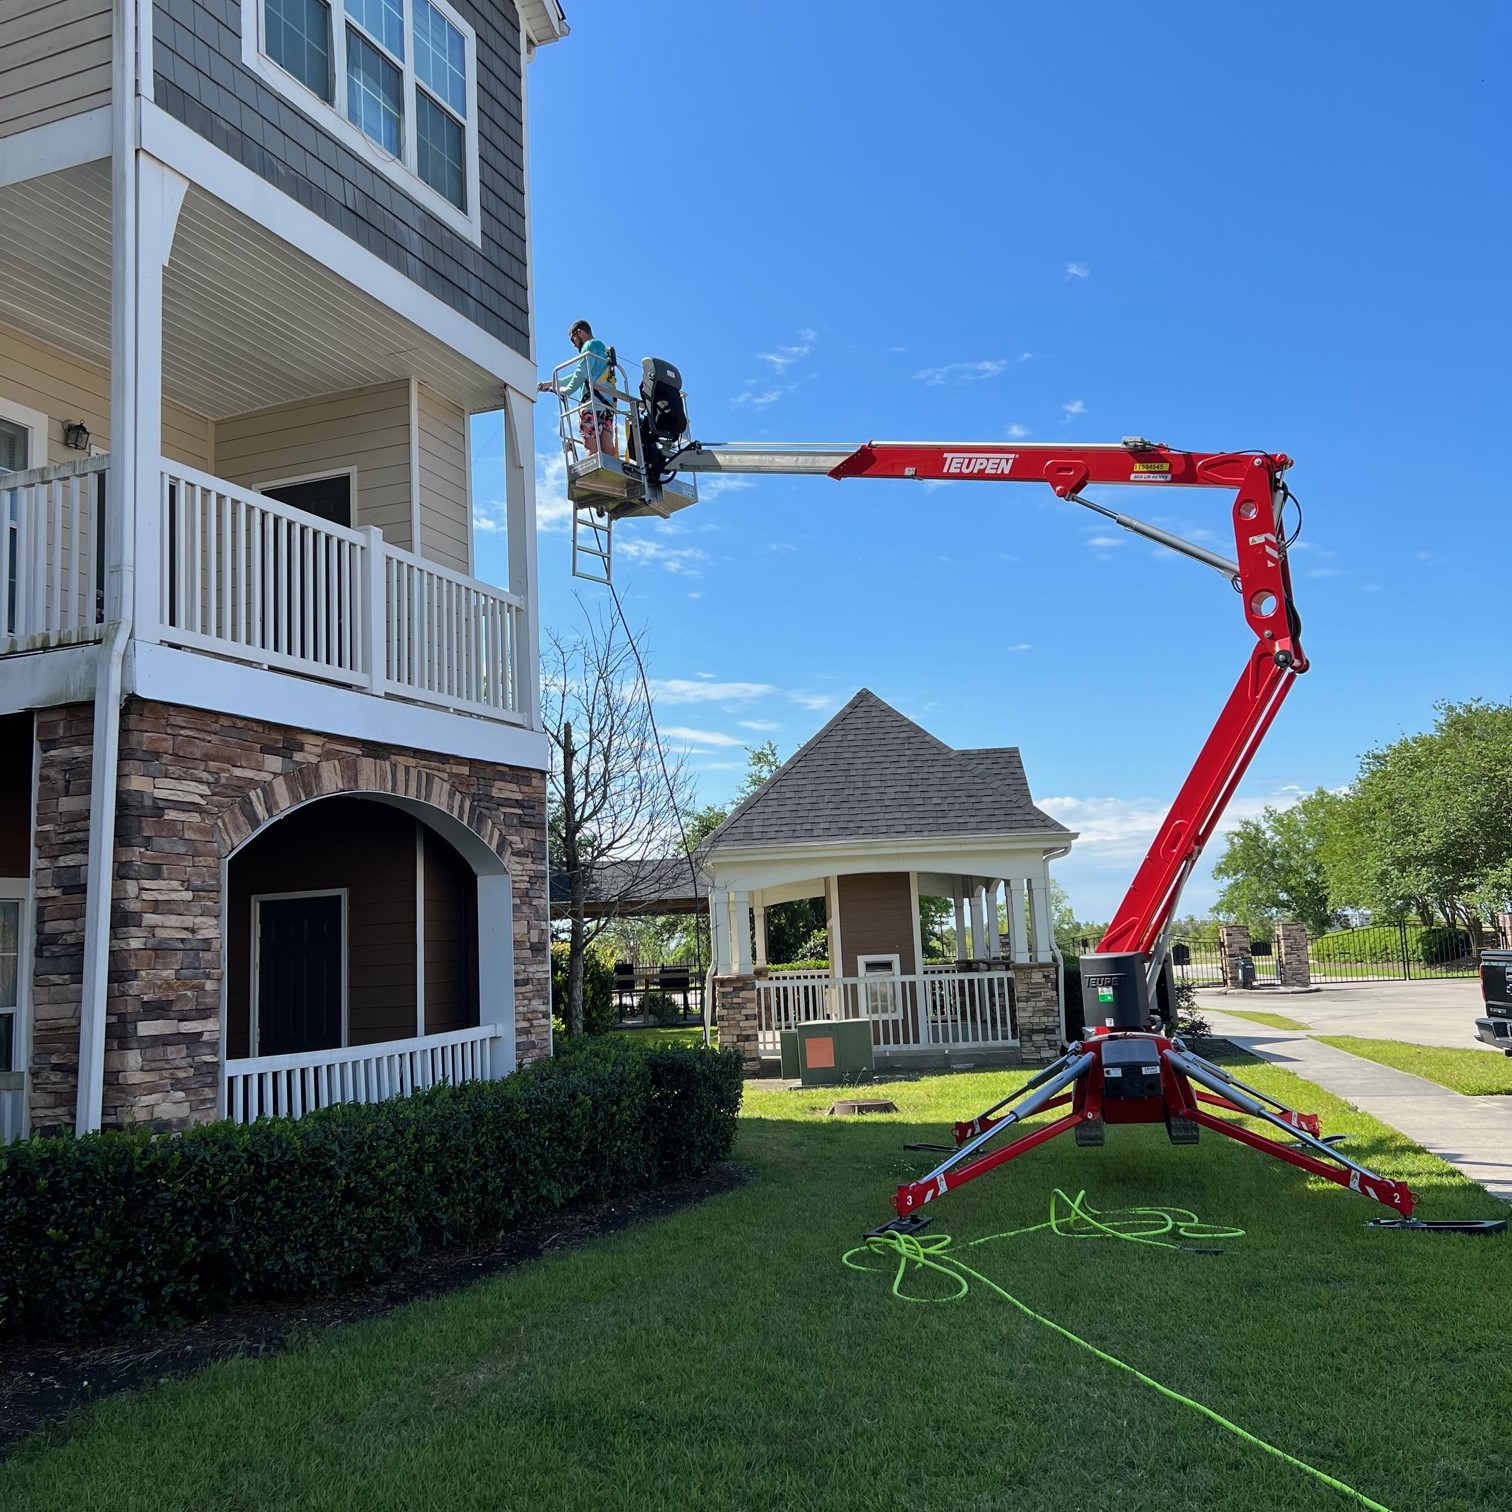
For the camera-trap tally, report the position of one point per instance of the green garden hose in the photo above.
(1074, 1218)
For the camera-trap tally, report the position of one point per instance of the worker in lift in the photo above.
(579, 386)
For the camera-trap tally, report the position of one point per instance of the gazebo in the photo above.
(869, 814)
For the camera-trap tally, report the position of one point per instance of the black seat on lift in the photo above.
(661, 395)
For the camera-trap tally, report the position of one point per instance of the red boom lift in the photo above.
(1127, 1070)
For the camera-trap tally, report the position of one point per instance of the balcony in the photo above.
(246, 578)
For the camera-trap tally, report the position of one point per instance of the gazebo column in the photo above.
(832, 925)
(1018, 938)
(960, 919)
(761, 934)
(740, 931)
(980, 950)
(1039, 913)
(719, 930)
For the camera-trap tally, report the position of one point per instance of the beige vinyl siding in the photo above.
(54, 60)
(444, 522)
(65, 388)
(367, 429)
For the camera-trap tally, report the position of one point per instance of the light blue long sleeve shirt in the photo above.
(592, 364)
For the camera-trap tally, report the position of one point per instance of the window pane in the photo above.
(440, 156)
(373, 94)
(383, 18)
(10, 950)
(440, 57)
(298, 39)
(13, 446)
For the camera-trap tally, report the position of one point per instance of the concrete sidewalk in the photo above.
(1474, 1134)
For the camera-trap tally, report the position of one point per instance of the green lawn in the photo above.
(670, 1034)
(1270, 1020)
(1476, 1072)
(726, 1359)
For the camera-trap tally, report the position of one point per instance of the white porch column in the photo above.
(1039, 911)
(740, 931)
(960, 918)
(761, 939)
(719, 930)
(1017, 934)
(979, 947)
(520, 511)
(832, 918)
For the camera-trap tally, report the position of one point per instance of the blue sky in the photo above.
(1280, 227)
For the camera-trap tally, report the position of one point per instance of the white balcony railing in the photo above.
(289, 1086)
(245, 576)
(50, 521)
(930, 1011)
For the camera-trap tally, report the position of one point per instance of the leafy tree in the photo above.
(1433, 820)
(1273, 867)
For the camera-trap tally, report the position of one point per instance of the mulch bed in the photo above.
(41, 1384)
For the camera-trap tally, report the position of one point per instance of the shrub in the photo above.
(120, 1229)
(1381, 944)
(598, 989)
(662, 1007)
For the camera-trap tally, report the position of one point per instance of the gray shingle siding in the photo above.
(871, 774)
(199, 79)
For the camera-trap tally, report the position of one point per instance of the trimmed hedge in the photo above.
(122, 1229)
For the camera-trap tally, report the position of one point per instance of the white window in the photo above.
(880, 985)
(396, 80)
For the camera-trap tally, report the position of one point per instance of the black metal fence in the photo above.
(1200, 962)
(1397, 953)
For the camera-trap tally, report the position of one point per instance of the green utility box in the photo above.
(829, 1054)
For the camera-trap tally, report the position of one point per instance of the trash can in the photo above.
(829, 1054)
(1246, 971)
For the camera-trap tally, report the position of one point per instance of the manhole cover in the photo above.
(862, 1105)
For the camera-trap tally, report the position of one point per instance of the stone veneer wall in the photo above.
(1293, 967)
(1233, 942)
(193, 786)
(735, 1002)
(1036, 1002)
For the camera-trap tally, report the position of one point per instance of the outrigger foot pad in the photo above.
(910, 1225)
(1455, 1226)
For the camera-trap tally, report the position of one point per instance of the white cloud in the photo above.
(699, 737)
(961, 372)
(1078, 270)
(757, 399)
(1074, 407)
(757, 724)
(686, 560)
(1022, 646)
(1325, 572)
(682, 690)
(1017, 432)
(712, 485)
(553, 508)
(1121, 829)
(817, 701)
(1106, 542)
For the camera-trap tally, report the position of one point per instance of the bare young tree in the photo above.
(612, 808)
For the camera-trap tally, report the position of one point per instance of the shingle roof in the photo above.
(653, 885)
(871, 774)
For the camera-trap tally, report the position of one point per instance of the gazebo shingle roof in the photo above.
(871, 774)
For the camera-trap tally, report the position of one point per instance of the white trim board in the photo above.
(219, 174)
(77, 139)
(169, 675)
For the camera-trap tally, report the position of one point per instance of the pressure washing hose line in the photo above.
(1074, 1218)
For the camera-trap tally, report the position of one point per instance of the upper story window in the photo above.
(398, 79)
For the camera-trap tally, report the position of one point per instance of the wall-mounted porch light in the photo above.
(76, 435)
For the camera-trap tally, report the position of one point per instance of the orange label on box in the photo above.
(819, 1053)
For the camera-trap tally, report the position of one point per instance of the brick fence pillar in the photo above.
(735, 1002)
(1292, 966)
(1233, 942)
(1037, 1011)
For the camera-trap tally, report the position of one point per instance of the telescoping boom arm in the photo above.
(1258, 570)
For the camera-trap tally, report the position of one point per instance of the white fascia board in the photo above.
(544, 21)
(83, 138)
(220, 175)
(45, 679)
(169, 675)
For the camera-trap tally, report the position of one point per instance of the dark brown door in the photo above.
(299, 950)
